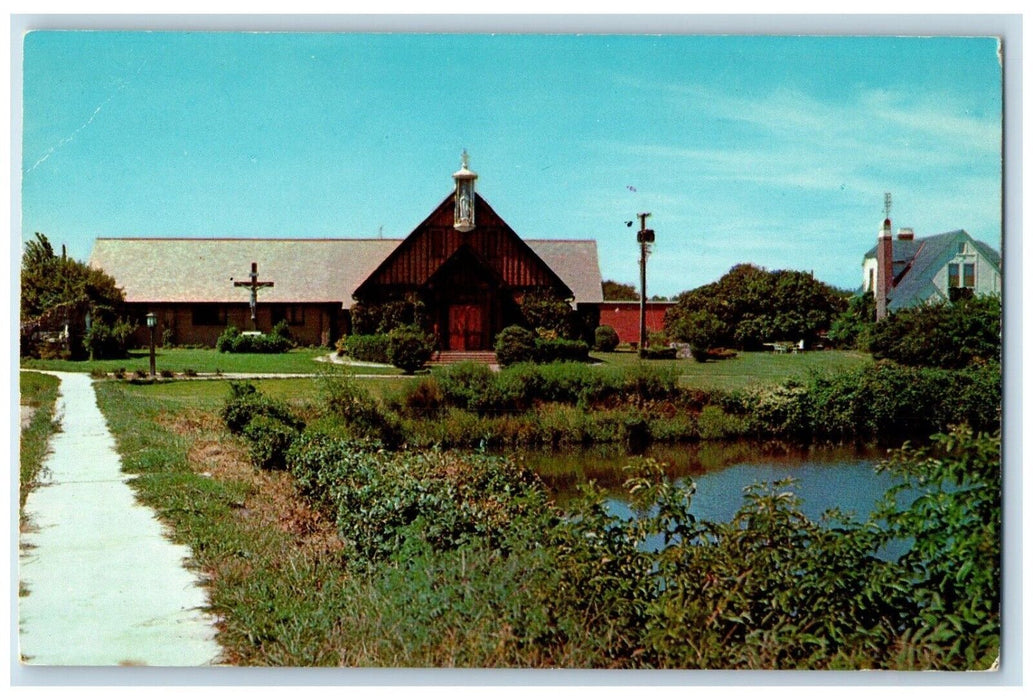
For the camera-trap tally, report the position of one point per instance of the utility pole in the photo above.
(646, 236)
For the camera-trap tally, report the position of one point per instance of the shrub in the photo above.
(105, 341)
(651, 382)
(547, 311)
(463, 383)
(360, 412)
(282, 330)
(368, 348)
(268, 441)
(246, 403)
(233, 341)
(409, 348)
(654, 353)
(189, 372)
(514, 344)
(948, 335)
(606, 339)
(421, 399)
(560, 350)
(224, 343)
(953, 565)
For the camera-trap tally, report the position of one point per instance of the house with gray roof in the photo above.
(928, 269)
(469, 269)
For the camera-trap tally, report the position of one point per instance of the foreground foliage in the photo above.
(464, 552)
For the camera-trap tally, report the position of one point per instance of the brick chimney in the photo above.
(905, 234)
(883, 269)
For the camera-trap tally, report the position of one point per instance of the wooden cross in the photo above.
(253, 284)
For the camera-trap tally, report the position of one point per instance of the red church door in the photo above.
(465, 327)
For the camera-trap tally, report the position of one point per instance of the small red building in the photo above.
(623, 316)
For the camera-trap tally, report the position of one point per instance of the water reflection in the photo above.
(826, 476)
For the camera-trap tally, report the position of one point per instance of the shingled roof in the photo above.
(916, 262)
(194, 270)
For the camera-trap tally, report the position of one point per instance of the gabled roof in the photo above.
(203, 269)
(920, 259)
(196, 270)
(577, 263)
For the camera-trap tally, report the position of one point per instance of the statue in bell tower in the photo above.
(464, 209)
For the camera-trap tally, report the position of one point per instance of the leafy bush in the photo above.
(268, 441)
(246, 403)
(105, 341)
(953, 565)
(409, 348)
(464, 383)
(651, 382)
(385, 504)
(606, 339)
(283, 330)
(224, 343)
(368, 348)
(421, 399)
(546, 311)
(361, 414)
(948, 335)
(663, 353)
(514, 344)
(233, 341)
(560, 350)
(381, 319)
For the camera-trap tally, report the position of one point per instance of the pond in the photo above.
(843, 477)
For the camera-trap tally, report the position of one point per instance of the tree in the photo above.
(753, 306)
(618, 291)
(852, 328)
(59, 290)
(545, 311)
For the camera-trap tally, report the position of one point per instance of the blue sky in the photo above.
(769, 150)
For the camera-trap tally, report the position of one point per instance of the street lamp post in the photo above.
(152, 322)
(646, 236)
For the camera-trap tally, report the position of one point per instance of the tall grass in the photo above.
(38, 393)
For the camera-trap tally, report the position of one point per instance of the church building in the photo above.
(469, 270)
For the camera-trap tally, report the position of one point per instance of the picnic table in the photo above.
(785, 346)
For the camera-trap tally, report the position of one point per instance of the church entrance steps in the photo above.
(451, 357)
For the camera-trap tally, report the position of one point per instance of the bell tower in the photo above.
(464, 210)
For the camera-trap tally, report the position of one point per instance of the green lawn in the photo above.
(207, 361)
(212, 394)
(747, 368)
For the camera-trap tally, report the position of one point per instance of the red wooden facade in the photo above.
(623, 316)
(471, 283)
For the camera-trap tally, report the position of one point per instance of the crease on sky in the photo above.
(71, 137)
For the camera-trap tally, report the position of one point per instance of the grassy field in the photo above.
(747, 368)
(207, 361)
(38, 396)
(210, 395)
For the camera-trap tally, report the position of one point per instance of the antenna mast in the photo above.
(887, 204)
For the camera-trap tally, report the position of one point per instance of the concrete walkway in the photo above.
(100, 583)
